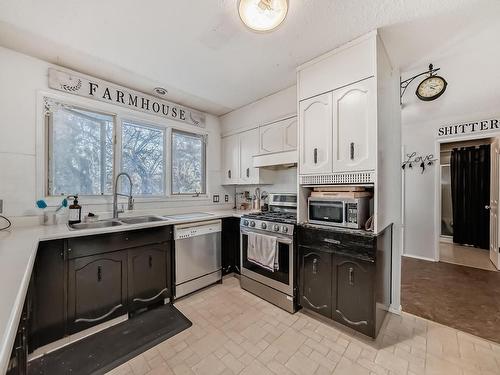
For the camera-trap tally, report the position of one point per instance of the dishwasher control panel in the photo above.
(184, 231)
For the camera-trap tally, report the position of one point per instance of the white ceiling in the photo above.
(198, 50)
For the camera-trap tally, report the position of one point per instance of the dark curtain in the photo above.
(470, 193)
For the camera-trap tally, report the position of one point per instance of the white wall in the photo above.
(471, 68)
(22, 77)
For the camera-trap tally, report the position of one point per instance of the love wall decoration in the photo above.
(422, 161)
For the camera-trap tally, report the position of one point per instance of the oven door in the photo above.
(326, 212)
(281, 279)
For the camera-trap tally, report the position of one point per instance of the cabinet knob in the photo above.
(315, 266)
(248, 172)
(315, 156)
(229, 174)
(352, 150)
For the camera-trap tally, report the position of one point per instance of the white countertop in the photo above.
(18, 247)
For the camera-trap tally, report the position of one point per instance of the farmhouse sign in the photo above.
(469, 127)
(107, 92)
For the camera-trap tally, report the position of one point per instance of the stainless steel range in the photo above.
(276, 284)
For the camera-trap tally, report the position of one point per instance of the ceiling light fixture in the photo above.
(262, 15)
(160, 91)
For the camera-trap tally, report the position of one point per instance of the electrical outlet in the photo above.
(1, 206)
(226, 198)
(215, 198)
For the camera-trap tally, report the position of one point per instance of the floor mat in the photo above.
(464, 298)
(108, 349)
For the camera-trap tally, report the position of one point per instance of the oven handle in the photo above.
(280, 239)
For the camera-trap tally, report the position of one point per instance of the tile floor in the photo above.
(235, 332)
(465, 256)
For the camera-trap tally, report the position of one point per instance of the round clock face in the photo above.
(431, 88)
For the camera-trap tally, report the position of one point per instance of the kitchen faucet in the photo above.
(116, 194)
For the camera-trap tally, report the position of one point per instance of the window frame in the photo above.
(49, 120)
(119, 116)
(119, 147)
(204, 139)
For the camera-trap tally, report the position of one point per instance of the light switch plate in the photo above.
(216, 198)
(226, 198)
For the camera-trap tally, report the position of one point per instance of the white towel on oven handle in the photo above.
(263, 251)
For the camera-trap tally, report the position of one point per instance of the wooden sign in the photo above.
(107, 92)
(469, 127)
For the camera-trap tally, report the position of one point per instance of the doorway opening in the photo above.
(467, 189)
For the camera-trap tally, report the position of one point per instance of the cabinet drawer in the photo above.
(337, 241)
(104, 243)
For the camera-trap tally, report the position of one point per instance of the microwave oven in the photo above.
(337, 211)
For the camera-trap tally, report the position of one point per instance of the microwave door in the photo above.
(322, 212)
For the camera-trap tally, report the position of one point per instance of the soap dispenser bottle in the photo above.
(75, 211)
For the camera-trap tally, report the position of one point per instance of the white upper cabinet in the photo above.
(230, 159)
(355, 127)
(350, 63)
(238, 151)
(249, 147)
(315, 134)
(279, 136)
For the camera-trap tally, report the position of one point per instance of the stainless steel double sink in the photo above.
(116, 222)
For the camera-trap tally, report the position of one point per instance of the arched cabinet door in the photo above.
(316, 281)
(355, 127)
(147, 275)
(315, 134)
(353, 298)
(97, 289)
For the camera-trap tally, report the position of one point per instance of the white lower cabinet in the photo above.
(355, 127)
(315, 134)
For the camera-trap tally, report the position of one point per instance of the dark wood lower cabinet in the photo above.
(84, 281)
(316, 280)
(345, 276)
(48, 322)
(230, 245)
(353, 298)
(97, 289)
(148, 270)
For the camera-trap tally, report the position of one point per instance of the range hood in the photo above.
(283, 159)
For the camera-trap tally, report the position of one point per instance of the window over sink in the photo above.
(87, 149)
(188, 163)
(143, 157)
(80, 152)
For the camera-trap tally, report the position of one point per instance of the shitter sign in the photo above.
(107, 92)
(470, 127)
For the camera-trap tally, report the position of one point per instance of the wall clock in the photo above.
(431, 88)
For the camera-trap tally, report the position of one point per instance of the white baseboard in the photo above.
(395, 309)
(419, 257)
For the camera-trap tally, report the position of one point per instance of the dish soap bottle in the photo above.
(75, 211)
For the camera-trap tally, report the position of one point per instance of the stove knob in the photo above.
(276, 228)
(284, 229)
(252, 223)
(245, 223)
(263, 225)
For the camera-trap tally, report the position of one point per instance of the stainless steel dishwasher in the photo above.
(198, 260)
